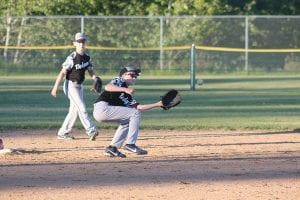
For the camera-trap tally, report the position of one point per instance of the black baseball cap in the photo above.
(130, 69)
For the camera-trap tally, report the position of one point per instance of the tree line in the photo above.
(148, 7)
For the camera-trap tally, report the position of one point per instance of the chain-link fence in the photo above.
(224, 44)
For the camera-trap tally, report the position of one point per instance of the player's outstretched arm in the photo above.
(149, 106)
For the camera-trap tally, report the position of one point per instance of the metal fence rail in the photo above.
(223, 44)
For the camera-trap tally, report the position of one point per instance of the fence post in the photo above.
(246, 43)
(193, 71)
(82, 24)
(161, 33)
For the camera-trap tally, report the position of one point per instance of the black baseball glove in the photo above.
(170, 99)
(97, 86)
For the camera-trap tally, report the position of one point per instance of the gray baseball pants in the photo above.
(127, 118)
(74, 92)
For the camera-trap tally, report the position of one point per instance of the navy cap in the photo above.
(130, 69)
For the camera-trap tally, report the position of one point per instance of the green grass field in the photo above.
(227, 102)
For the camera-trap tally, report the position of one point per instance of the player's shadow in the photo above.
(143, 171)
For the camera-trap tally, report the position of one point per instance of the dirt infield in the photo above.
(180, 165)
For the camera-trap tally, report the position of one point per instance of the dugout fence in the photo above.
(159, 45)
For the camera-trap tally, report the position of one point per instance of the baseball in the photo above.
(200, 82)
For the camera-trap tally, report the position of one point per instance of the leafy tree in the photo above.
(148, 7)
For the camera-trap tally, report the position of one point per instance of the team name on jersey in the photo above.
(82, 65)
(125, 100)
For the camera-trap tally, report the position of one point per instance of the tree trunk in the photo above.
(19, 41)
(7, 38)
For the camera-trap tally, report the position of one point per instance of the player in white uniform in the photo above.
(73, 70)
(116, 104)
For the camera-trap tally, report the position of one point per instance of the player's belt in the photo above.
(75, 81)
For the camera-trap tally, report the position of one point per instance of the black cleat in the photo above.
(112, 151)
(132, 148)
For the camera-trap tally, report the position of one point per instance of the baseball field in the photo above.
(234, 137)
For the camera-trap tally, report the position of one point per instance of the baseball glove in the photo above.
(170, 99)
(97, 86)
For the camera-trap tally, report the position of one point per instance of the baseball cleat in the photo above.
(65, 137)
(112, 151)
(93, 135)
(132, 148)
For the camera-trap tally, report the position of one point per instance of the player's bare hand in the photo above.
(54, 92)
(129, 91)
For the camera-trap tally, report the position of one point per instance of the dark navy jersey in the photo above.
(117, 98)
(76, 65)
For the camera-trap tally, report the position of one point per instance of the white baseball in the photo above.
(200, 82)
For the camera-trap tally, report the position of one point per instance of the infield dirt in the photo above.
(180, 165)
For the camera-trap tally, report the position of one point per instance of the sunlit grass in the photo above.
(223, 102)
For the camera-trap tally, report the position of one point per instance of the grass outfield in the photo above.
(227, 102)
